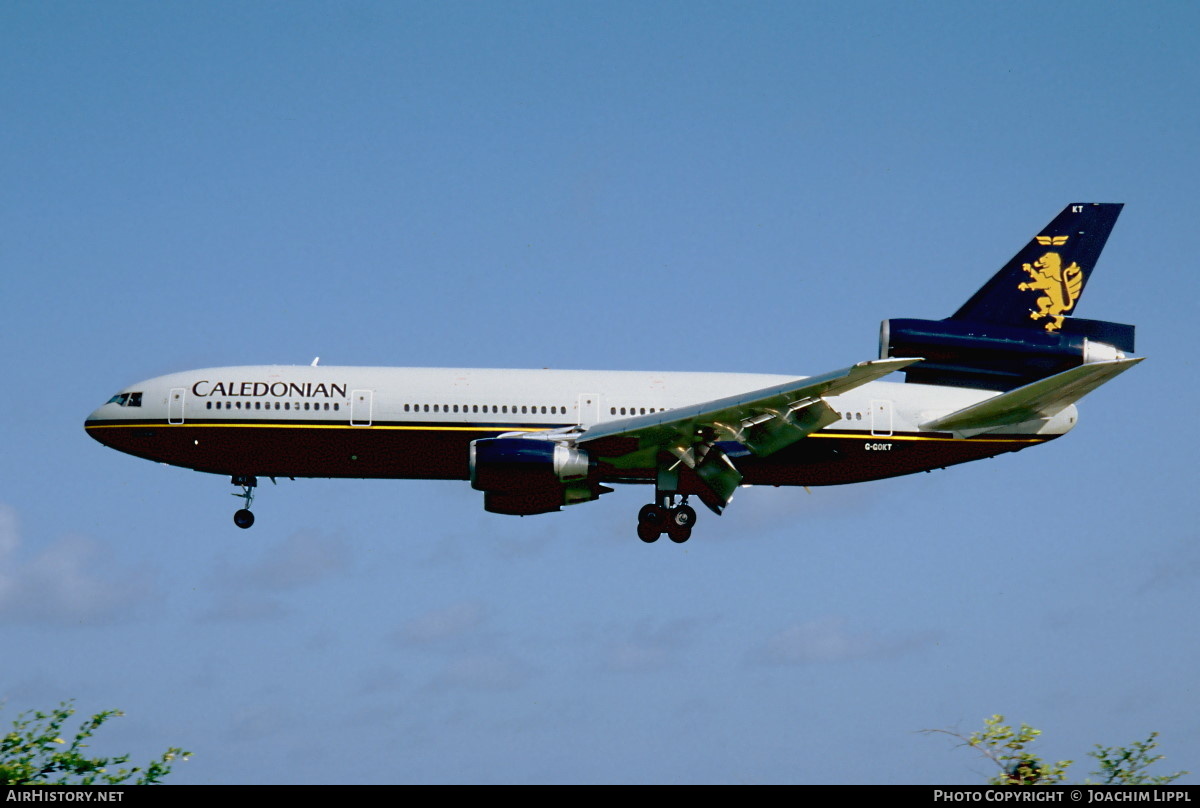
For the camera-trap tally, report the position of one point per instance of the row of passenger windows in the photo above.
(524, 409)
(258, 405)
(500, 408)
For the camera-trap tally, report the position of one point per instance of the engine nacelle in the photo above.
(963, 353)
(524, 476)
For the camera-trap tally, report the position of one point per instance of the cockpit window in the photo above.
(126, 400)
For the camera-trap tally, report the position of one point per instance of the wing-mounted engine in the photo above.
(993, 356)
(524, 476)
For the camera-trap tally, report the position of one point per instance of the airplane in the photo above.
(999, 375)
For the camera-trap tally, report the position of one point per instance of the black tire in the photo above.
(684, 516)
(679, 534)
(243, 518)
(655, 515)
(648, 533)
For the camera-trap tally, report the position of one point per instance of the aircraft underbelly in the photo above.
(423, 452)
(846, 458)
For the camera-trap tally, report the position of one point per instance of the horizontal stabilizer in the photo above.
(1041, 399)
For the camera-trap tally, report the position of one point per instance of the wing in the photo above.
(764, 421)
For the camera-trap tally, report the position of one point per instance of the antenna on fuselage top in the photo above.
(316, 359)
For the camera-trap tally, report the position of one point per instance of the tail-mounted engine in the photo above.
(992, 356)
(524, 476)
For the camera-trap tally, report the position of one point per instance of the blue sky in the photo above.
(691, 186)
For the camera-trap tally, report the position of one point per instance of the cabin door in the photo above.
(361, 405)
(588, 409)
(175, 406)
(881, 417)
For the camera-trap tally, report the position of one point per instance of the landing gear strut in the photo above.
(666, 517)
(244, 518)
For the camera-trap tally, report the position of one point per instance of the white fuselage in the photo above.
(418, 422)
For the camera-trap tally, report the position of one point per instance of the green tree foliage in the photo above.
(35, 753)
(1126, 765)
(1008, 748)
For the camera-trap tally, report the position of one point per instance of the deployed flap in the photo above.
(764, 420)
(1041, 399)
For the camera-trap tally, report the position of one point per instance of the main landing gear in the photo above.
(666, 517)
(244, 518)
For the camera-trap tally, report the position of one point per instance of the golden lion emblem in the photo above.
(1061, 288)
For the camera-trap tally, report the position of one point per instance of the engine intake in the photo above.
(990, 356)
(524, 476)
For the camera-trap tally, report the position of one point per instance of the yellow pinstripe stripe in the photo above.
(324, 426)
(430, 428)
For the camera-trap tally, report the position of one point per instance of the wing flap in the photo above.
(1041, 399)
(764, 420)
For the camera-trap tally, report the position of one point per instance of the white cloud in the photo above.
(441, 624)
(486, 672)
(70, 582)
(651, 645)
(829, 639)
(301, 559)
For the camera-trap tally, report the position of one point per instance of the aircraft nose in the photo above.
(97, 416)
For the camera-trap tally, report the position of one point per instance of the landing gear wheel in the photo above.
(678, 534)
(652, 515)
(243, 518)
(652, 521)
(684, 517)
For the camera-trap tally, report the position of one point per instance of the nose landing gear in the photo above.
(675, 521)
(244, 518)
